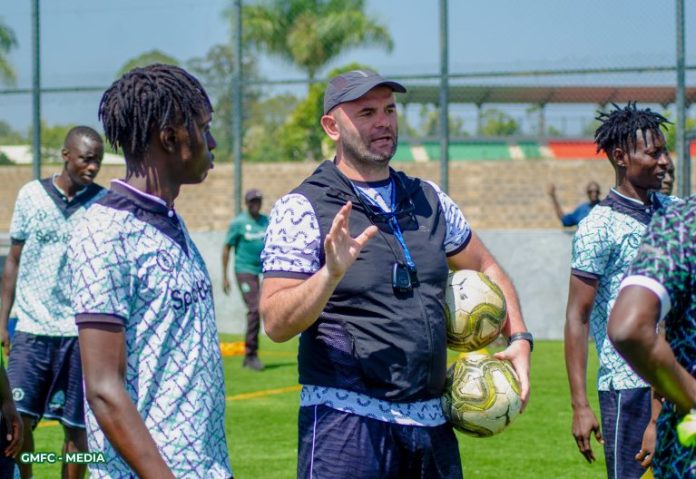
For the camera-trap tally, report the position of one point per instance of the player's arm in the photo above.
(289, 305)
(551, 190)
(647, 447)
(581, 296)
(9, 284)
(632, 331)
(231, 240)
(12, 419)
(225, 263)
(102, 348)
(477, 257)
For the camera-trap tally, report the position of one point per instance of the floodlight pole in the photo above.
(237, 104)
(682, 148)
(36, 88)
(444, 99)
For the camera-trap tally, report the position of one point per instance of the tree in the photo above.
(8, 136)
(145, 59)
(267, 120)
(430, 123)
(7, 42)
(215, 70)
(311, 33)
(498, 123)
(302, 137)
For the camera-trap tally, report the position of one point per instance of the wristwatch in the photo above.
(524, 336)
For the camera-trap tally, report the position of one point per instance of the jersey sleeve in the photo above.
(458, 232)
(19, 226)
(102, 277)
(232, 236)
(592, 246)
(662, 261)
(292, 244)
(572, 219)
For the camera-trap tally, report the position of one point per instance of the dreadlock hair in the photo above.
(81, 131)
(620, 127)
(149, 98)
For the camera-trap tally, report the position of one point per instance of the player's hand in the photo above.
(647, 448)
(15, 435)
(5, 339)
(518, 353)
(226, 285)
(551, 189)
(340, 248)
(584, 425)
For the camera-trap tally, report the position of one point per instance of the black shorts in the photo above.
(339, 445)
(45, 375)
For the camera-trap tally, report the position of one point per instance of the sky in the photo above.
(85, 42)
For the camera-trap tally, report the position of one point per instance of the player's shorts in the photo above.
(335, 445)
(625, 415)
(46, 378)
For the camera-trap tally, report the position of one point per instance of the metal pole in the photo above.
(36, 87)
(237, 105)
(682, 147)
(444, 99)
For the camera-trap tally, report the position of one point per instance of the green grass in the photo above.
(262, 429)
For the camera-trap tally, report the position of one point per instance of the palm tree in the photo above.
(311, 33)
(7, 42)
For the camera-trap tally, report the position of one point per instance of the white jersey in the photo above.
(133, 262)
(43, 222)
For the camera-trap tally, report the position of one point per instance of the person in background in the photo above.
(603, 247)
(245, 235)
(44, 365)
(581, 211)
(668, 180)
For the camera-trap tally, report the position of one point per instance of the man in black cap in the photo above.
(356, 260)
(245, 235)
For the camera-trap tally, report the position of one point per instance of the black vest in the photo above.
(370, 339)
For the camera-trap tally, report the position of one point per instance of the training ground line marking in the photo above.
(236, 397)
(265, 392)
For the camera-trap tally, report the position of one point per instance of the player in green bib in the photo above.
(245, 235)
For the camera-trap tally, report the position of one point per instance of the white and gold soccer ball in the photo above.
(482, 395)
(475, 310)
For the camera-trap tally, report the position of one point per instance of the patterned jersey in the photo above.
(292, 247)
(43, 222)
(132, 258)
(293, 239)
(603, 247)
(665, 263)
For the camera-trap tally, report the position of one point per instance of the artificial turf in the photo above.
(261, 423)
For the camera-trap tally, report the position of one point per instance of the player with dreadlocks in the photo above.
(604, 245)
(142, 295)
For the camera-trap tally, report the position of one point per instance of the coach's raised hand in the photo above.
(341, 249)
(288, 305)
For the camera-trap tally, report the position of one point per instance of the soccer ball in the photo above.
(482, 395)
(475, 310)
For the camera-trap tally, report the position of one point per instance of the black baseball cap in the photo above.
(253, 194)
(352, 85)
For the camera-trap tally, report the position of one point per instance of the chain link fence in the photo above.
(526, 78)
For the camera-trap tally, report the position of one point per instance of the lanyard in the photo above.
(394, 223)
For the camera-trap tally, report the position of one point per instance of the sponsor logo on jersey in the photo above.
(183, 299)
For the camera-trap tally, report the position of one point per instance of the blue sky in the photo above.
(86, 41)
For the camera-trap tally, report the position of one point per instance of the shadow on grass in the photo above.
(278, 366)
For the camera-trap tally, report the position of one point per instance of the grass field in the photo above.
(262, 416)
